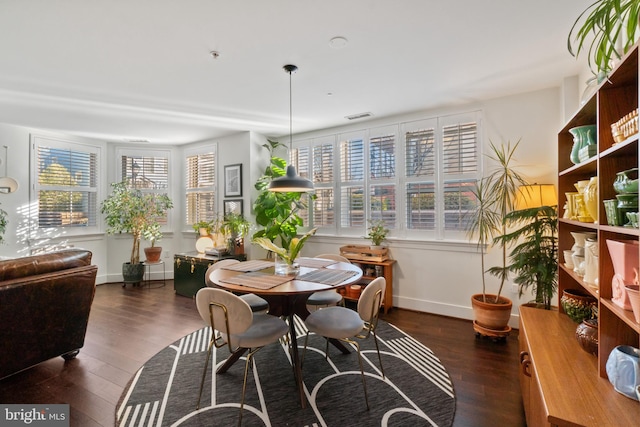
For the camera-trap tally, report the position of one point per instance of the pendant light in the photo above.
(291, 182)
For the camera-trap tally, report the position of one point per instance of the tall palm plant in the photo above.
(496, 194)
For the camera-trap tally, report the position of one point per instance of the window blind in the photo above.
(200, 187)
(67, 187)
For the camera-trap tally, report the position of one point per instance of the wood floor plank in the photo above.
(129, 325)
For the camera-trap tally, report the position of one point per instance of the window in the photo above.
(145, 170)
(66, 183)
(416, 176)
(200, 187)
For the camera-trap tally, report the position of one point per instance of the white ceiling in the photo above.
(141, 69)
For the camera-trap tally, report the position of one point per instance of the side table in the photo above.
(147, 271)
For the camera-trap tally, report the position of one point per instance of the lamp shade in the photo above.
(536, 195)
(291, 183)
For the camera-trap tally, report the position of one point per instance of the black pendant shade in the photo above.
(291, 182)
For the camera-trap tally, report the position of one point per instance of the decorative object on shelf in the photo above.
(623, 370)
(287, 265)
(580, 238)
(568, 259)
(633, 219)
(578, 264)
(587, 152)
(578, 304)
(583, 136)
(291, 182)
(613, 216)
(377, 232)
(590, 194)
(624, 257)
(571, 211)
(591, 262)
(587, 335)
(624, 184)
(634, 298)
(625, 127)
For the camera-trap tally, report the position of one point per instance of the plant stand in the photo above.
(496, 335)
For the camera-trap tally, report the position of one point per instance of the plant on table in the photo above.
(377, 231)
(287, 255)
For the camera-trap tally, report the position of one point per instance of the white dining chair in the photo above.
(239, 328)
(256, 303)
(344, 324)
(326, 298)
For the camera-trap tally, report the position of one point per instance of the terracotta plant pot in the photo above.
(153, 253)
(490, 314)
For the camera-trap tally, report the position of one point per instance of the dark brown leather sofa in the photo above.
(44, 307)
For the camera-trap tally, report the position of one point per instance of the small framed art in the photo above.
(233, 207)
(233, 180)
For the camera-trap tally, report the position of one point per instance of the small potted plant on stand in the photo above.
(377, 233)
(131, 211)
(235, 227)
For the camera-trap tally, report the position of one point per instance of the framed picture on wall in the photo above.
(233, 206)
(233, 180)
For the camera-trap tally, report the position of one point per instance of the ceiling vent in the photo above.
(358, 116)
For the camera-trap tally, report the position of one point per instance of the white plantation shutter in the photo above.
(147, 171)
(66, 184)
(460, 167)
(416, 176)
(200, 187)
(352, 175)
(382, 174)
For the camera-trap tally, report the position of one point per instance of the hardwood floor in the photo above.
(128, 326)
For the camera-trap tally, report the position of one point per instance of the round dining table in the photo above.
(287, 299)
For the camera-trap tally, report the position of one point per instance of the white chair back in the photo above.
(371, 299)
(224, 312)
(333, 257)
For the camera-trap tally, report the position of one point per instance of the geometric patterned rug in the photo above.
(416, 390)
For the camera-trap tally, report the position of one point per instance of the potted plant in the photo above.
(495, 197)
(129, 210)
(152, 234)
(534, 259)
(277, 212)
(377, 232)
(285, 258)
(235, 227)
(608, 28)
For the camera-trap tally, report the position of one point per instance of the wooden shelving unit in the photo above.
(546, 356)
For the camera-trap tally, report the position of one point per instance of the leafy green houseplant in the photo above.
(235, 227)
(495, 195)
(277, 212)
(377, 232)
(287, 255)
(534, 258)
(207, 227)
(129, 210)
(607, 28)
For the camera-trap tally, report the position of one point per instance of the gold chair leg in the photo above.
(244, 382)
(364, 383)
(204, 372)
(375, 339)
